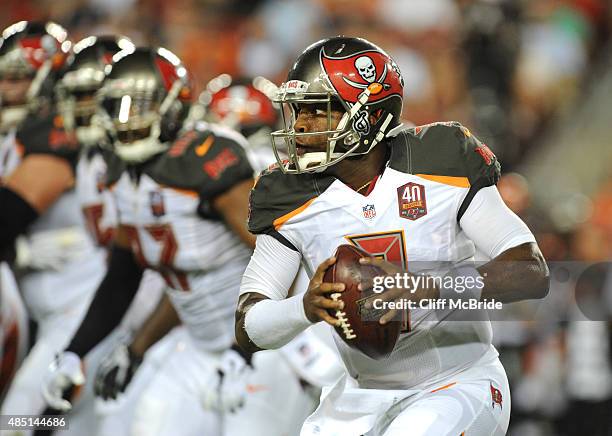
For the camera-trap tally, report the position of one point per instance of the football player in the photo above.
(182, 207)
(81, 79)
(61, 264)
(355, 175)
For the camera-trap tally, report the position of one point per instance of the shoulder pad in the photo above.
(206, 161)
(276, 194)
(114, 166)
(46, 135)
(445, 149)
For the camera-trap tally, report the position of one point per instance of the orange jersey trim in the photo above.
(278, 222)
(203, 148)
(460, 182)
(450, 385)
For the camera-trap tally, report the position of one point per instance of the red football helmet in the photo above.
(242, 104)
(31, 55)
(351, 74)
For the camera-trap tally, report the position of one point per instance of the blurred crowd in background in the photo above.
(511, 70)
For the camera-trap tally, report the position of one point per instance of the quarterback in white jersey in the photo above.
(417, 199)
(182, 207)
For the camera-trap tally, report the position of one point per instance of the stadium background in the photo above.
(532, 78)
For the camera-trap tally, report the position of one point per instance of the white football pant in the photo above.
(474, 402)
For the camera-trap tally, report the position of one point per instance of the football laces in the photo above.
(347, 330)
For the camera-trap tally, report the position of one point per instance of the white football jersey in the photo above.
(173, 228)
(95, 201)
(410, 217)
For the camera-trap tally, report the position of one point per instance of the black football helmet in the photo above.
(146, 98)
(82, 78)
(32, 51)
(341, 72)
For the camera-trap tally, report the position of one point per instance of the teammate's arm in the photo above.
(37, 182)
(113, 297)
(233, 205)
(160, 322)
(265, 317)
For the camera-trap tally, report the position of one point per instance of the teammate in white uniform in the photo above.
(81, 79)
(62, 265)
(415, 198)
(182, 208)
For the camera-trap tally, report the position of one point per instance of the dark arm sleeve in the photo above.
(16, 215)
(111, 301)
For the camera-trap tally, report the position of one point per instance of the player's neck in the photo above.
(358, 172)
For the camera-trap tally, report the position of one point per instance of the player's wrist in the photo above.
(138, 346)
(270, 324)
(136, 351)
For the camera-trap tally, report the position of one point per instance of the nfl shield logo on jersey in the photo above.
(411, 199)
(157, 203)
(368, 211)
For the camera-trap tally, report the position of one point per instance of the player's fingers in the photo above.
(324, 316)
(325, 288)
(328, 303)
(365, 284)
(320, 272)
(388, 316)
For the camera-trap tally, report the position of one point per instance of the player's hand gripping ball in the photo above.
(359, 327)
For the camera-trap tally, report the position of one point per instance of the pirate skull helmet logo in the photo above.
(366, 68)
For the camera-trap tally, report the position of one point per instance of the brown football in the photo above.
(360, 328)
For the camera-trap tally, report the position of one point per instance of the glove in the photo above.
(64, 374)
(50, 250)
(234, 372)
(115, 372)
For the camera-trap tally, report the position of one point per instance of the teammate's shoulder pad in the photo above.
(114, 166)
(208, 161)
(445, 149)
(277, 194)
(45, 134)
